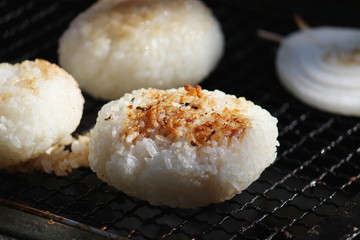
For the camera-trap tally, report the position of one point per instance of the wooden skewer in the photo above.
(274, 37)
(300, 22)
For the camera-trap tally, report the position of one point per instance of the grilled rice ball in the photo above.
(40, 104)
(183, 147)
(117, 46)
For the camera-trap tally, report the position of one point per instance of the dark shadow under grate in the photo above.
(316, 172)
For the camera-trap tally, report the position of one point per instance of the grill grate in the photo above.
(316, 172)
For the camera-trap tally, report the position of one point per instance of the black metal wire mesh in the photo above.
(317, 169)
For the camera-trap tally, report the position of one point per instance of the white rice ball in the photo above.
(183, 147)
(117, 46)
(40, 104)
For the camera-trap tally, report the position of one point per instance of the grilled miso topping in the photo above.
(190, 113)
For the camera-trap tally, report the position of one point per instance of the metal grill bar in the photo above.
(317, 170)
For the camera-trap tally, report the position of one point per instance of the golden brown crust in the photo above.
(58, 159)
(123, 17)
(48, 70)
(29, 74)
(190, 114)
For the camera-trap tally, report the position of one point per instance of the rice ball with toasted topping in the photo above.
(183, 147)
(117, 46)
(40, 104)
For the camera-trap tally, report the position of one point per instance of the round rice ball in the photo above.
(117, 46)
(40, 104)
(183, 147)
